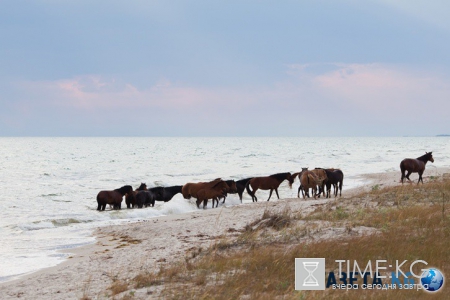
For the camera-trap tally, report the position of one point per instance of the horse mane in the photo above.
(244, 181)
(425, 157)
(280, 176)
(123, 190)
(218, 182)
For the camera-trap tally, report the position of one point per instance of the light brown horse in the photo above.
(311, 179)
(112, 197)
(191, 189)
(211, 192)
(271, 183)
(415, 165)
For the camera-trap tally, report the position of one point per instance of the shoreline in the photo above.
(126, 250)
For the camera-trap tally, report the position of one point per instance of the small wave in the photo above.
(249, 155)
(36, 226)
(51, 195)
(65, 222)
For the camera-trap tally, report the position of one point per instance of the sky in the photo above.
(224, 68)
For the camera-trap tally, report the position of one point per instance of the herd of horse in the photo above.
(319, 181)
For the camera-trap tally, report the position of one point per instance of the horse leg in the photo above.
(270, 194)
(298, 193)
(420, 178)
(240, 195)
(407, 176)
(276, 191)
(254, 195)
(205, 202)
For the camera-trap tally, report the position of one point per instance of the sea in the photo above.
(50, 184)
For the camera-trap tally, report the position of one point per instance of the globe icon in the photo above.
(432, 280)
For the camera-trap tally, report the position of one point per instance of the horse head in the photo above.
(290, 179)
(430, 156)
(126, 189)
(231, 186)
(142, 187)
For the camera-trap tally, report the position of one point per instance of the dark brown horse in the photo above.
(415, 165)
(271, 183)
(130, 198)
(211, 192)
(112, 197)
(232, 189)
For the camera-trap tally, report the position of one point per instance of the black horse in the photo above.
(240, 185)
(147, 198)
(166, 193)
(335, 178)
(415, 165)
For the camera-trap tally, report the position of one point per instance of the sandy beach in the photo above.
(123, 251)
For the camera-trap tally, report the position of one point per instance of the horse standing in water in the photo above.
(271, 183)
(212, 192)
(232, 189)
(415, 165)
(113, 197)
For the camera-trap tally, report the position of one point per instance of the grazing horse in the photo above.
(112, 197)
(335, 178)
(167, 193)
(415, 165)
(211, 192)
(232, 189)
(271, 183)
(190, 189)
(310, 179)
(130, 198)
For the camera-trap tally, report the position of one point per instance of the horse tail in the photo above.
(247, 187)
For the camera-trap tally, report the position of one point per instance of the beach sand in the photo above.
(123, 251)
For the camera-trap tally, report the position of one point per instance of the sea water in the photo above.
(49, 185)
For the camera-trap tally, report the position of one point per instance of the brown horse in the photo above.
(271, 183)
(212, 192)
(112, 197)
(415, 165)
(191, 189)
(311, 179)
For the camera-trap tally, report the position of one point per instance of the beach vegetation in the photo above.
(403, 222)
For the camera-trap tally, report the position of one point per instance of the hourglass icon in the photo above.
(310, 280)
